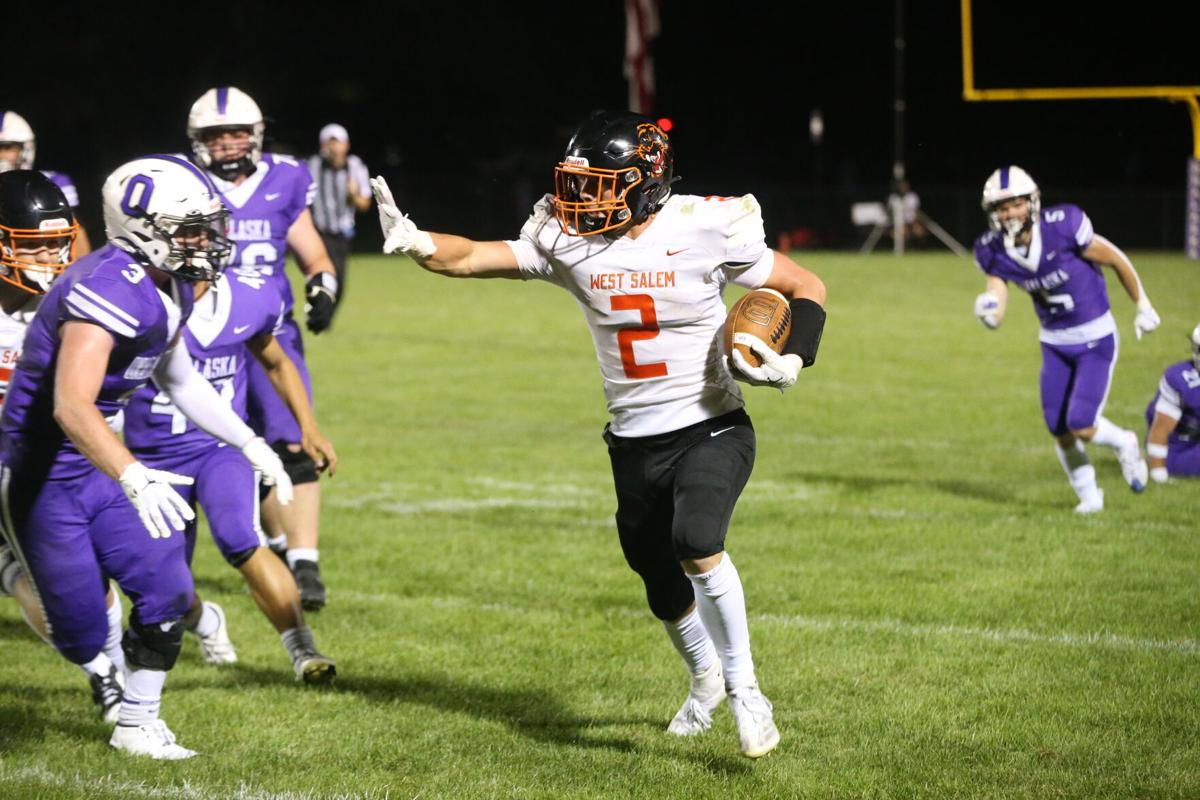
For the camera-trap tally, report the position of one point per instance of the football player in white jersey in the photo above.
(648, 270)
(37, 229)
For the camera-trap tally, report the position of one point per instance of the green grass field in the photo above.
(930, 618)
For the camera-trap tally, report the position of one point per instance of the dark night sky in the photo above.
(467, 106)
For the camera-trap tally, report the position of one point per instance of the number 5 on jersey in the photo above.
(627, 336)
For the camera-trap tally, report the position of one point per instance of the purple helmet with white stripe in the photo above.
(1005, 184)
(220, 110)
(166, 211)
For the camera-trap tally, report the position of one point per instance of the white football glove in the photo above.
(1147, 318)
(266, 461)
(986, 306)
(780, 371)
(400, 234)
(160, 507)
(1159, 475)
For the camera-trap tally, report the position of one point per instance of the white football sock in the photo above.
(208, 622)
(97, 666)
(112, 644)
(722, 607)
(1110, 435)
(301, 554)
(143, 696)
(692, 642)
(1079, 469)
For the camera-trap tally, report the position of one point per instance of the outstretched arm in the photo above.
(443, 253)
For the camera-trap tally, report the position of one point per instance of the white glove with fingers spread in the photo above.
(160, 507)
(400, 234)
(986, 306)
(1147, 318)
(780, 371)
(266, 461)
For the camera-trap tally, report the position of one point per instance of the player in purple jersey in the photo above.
(268, 197)
(1173, 420)
(234, 317)
(18, 146)
(36, 232)
(1055, 256)
(76, 505)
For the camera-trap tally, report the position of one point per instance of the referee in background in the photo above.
(343, 190)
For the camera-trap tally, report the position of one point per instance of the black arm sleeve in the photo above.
(808, 321)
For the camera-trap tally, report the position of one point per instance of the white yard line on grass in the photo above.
(1107, 641)
(184, 791)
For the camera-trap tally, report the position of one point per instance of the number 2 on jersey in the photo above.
(627, 336)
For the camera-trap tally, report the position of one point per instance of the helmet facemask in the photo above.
(198, 244)
(229, 169)
(588, 200)
(22, 269)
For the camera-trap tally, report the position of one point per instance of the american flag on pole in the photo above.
(641, 27)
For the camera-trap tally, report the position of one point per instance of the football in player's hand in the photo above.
(763, 313)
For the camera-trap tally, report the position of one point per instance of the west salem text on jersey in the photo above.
(654, 304)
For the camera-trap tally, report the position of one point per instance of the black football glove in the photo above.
(321, 298)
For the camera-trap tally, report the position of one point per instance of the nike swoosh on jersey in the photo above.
(240, 329)
(272, 196)
(677, 252)
(715, 434)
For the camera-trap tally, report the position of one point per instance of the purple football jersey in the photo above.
(1180, 388)
(1067, 289)
(64, 182)
(241, 305)
(109, 288)
(262, 209)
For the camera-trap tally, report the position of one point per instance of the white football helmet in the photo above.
(167, 211)
(1005, 184)
(15, 130)
(226, 107)
(1196, 346)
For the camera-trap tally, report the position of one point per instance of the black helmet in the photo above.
(617, 171)
(34, 216)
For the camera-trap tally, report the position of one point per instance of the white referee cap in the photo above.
(333, 131)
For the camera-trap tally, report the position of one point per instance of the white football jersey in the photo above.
(12, 336)
(654, 304)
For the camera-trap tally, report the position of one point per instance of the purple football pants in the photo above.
(226, 488)
(269, 416)
(72, 533)
(1075, 382)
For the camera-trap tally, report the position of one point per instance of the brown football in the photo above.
(764, 313)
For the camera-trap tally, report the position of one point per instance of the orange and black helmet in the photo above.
(617, 171)
(37, 230)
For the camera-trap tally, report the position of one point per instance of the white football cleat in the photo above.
(217, 648)
(314, 668)
(154, 739)
(707, 692)
(1092, 504)
(757, 734)
(1133, 466)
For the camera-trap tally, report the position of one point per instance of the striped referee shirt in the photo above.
(332, 210)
